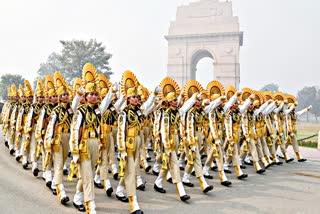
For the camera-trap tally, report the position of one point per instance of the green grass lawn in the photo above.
(304, 134)
(311, 142)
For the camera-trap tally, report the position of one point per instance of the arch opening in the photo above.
(202, 68)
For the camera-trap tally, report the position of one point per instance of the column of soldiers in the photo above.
(95, 120)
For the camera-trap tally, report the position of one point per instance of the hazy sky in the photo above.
(281, 37)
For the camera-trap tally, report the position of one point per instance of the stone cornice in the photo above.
(224, 35)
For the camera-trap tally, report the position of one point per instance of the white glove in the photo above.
(199, 96)
(115, 87)
(193, 148)
(217, 142)
(75, 158)
(81, 91)
(252, 96)
(157, 89)
(123, 156)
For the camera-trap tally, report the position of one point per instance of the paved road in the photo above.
(292, 188)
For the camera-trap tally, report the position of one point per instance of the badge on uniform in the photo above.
(70, 111)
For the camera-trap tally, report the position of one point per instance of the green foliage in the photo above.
(309, 96)
(74, 55)
(309, 144)
(5, 82)
(270, 87)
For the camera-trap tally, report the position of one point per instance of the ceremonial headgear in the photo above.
(258, 98)
(39, 88)
(60, 84)
(104, 84)
(193, 86)
(246, 92)
(268, 95)
(13, 90)
(143, 92)
(49, 86)
(292, 100)
(20, 91)
(90, 80)
(27, 89)
(77, 83)
(230, 91)
(129, 83)
(170, 90)
(215, 89)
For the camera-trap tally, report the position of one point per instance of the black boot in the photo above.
(242, 176)
(158, 189)
(226, 183)
(80, 207)
(35, 172)
(109, 191)
(122, 198)
(185, 198)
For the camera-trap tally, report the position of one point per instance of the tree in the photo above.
(5, 82)
(53, 64)
(74, 55)
(270, 87)
(306, 97)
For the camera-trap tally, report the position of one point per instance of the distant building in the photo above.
(206, 28)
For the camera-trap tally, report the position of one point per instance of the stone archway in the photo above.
(206, 28)
(196, 57)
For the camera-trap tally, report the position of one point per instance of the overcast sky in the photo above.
(281, 37)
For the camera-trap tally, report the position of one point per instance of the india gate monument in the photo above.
(206, 28)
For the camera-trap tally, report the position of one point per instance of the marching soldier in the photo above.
(248, 128)
(271, 134)
(216, 123)
(169, 129)
(291, 117)
(108, 119)
(195, 117)
(42, 124)
(86, 139)
(129, 127)
(58, 133)
(232, 125)
(10, 116)
(279, 119)
(22, 120)
(30, 127)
